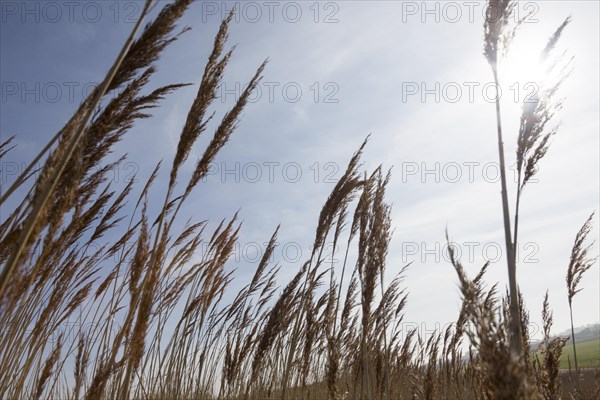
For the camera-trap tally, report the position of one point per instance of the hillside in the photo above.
(588, 354)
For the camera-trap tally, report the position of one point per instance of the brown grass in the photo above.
(155, 317)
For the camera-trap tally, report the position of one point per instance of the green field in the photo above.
(588, 354)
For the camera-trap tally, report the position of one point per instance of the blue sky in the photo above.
(411, 74)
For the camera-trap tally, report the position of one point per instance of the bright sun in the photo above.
(523, 64)
(526, 73)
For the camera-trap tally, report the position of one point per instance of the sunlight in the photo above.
(524, 64)
(527, 73)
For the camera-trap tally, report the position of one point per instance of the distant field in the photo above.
(588, 354)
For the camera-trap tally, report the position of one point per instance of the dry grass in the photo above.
(152, 311)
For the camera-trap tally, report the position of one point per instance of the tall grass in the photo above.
(151, 315)
(579, 263)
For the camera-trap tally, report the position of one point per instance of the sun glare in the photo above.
(528, 74)
(524, 64)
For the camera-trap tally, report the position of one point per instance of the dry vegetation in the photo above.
(151, 316)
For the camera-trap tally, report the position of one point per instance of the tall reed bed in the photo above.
(165, 323)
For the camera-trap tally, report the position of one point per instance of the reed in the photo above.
(165, 322)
